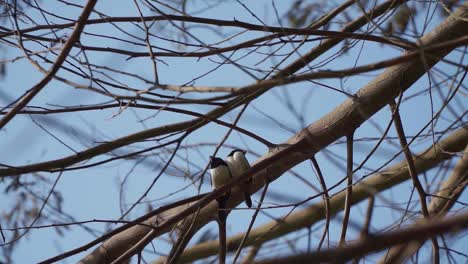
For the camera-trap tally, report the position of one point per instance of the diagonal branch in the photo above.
(326, 202)
(254, 216)
(339, 122)
(257, 90)
(345, 118)
(373, 184)
(413, 173)
(445, 198)
(75, 36)
(349, 188)
(420, 231)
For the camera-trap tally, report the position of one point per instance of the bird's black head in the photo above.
(215, 162)
(236, 150)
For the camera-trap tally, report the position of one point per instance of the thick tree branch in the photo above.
(344, 119)
(420, 231)
(373, 184)
(253, 92)
(444, 199)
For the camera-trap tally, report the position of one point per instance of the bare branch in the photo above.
(423, 230)
(440, 205)
(337, 123)
(74, 37)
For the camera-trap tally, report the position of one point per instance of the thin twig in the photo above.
(79, 26)
(254, 217)
(326, 202)
(413, 173)
(349, 190)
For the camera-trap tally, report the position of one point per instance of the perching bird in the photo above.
(239, 164)
(220, 175)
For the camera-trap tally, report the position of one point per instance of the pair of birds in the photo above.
(222, 172)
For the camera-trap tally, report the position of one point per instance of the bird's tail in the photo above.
(245, 187)
(248, 200)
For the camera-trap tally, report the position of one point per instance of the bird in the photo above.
(220, 175)
(239, 164)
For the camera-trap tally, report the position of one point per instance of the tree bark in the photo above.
(341, 121)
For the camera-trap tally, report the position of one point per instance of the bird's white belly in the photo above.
(220, 177)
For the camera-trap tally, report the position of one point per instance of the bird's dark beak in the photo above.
(211, 158)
